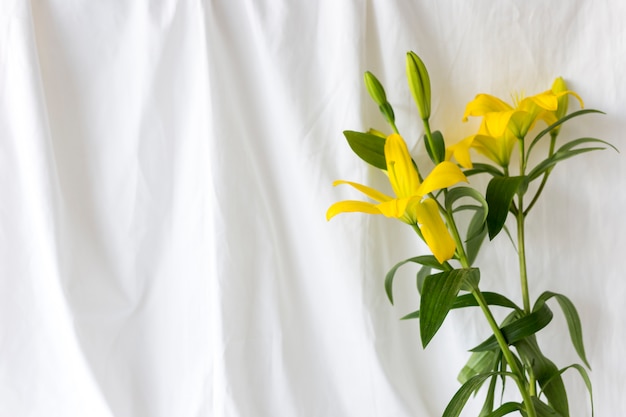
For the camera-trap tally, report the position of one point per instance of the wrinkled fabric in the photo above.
(166, 167)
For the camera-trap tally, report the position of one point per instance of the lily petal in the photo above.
(434, 230)
(396, 209)
(368, 191)
(483, 104)
(461, 152)
(496, 123)
(350, 206)
(402, 173)
(546, 100)
(444, 175)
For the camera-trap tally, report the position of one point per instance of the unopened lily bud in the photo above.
(375, 88)
(419, 83)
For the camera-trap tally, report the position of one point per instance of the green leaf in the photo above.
(573, 321)
(476, 232)
(468, 300)
(387, 112)
(480, 168)
(479, 363)
(426, 260)
(499, 195)
(492, 298)
(455, 194)
(436, 149)
(565, 152)
(586, 379)
(421, 276)
(438, 295)
(546, 374)
(557, 123)
(506, 408)
(489, 398)
(544, 410)
(519, 329)
(458, 401)
(368, 147)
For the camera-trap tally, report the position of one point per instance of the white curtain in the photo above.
(166, 166)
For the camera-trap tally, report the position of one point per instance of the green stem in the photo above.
(521, 246)
(508, 355)
(521, 251)
(545, 176)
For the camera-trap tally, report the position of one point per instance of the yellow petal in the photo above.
(444, 175)
(349, 206)
(496, 123)
(396, 209)
(461, 152)
(497, 149)
(368, 191)
(434, 230)
(546, 100)
(402, 174)
(484, 104)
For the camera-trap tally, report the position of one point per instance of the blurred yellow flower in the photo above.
(503, 124)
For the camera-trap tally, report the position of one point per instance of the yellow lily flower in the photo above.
(503, 124)
(498, 149)
(409, 204)
(499, 116)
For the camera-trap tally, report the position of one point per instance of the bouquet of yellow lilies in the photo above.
(431, 204)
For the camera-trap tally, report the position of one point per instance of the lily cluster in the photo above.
(431, 204)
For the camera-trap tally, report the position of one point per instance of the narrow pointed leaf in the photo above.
(499, 195)
(489, 398)
(585, 376)
(565, 152)
(478, 363)
(546, 374)
(558, 123)
(544, 410)
(506, 408)
(438, 295)
(480, 168)
(436, 149)
(426, 260)
(458, 401)
(492, 298)
(573, 322)
(468, 300)
(421, 276)
(476, 232)
(368, 147)
(519, 329)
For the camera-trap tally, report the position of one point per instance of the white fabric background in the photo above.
(165, 168)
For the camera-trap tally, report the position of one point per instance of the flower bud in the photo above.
(375, 88)
(419, 83)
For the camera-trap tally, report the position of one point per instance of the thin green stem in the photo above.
(521, 246)
(508, 355)
(521, 251)
(553, 136)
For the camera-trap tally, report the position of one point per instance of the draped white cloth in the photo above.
(165, 168)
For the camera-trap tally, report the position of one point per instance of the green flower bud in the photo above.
(419, 83)
(375, 88)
